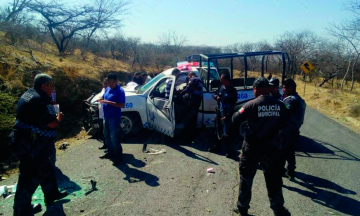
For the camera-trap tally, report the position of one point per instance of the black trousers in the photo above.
(252, 154)
(33, 174)
(190, 123)
(289, 155)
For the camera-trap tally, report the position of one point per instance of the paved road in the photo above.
(176, 183)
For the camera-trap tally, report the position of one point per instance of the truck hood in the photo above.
(130, 87)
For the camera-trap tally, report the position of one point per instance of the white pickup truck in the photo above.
(147, 107)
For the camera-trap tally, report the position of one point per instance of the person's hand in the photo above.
(217, 98)
(60, 116)
(103, 101)
(223, 118)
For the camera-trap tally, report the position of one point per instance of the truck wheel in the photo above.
(130, 124)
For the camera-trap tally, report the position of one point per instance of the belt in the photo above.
(43, 133)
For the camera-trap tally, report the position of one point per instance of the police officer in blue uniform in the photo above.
(226, 96)
(192, 97)
(34, 139)
(274, 88)
(296, 106)
(263, 118)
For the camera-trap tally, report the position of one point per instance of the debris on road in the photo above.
(4, 191)
(93, 183)
(64, 146)
(155, 151)
(210, 170)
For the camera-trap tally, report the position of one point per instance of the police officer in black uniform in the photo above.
(192, 97)
(274, 88)
(296, 106)
(263, 118)
(34, 139)
(226, 96)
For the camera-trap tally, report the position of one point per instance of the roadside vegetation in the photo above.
(79, 50)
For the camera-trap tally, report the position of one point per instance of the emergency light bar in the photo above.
(184, 65)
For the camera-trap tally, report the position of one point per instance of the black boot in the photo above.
(290, 174)
(281, 211)
(241, 211)
(36, 208)
(59, 196)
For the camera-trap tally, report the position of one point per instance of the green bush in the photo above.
(7, 120)
(355, 110)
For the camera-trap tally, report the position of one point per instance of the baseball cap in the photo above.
(261, 82)
(274, 82)
(137, 73)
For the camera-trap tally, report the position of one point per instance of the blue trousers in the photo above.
(112, 132)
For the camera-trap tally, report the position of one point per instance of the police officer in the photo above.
(274, 88)
(34, 138)
(192, 97)
(296, 106)
(137, 78)
(263, 118)
(226, 96)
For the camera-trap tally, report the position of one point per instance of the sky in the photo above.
(225, 22)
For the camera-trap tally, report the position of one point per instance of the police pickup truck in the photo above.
(147, 107)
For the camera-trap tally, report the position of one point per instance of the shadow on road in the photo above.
(153, 137)
(311, 146)
(64, 182)
(319, 193)
(134, 175)
(57, 209)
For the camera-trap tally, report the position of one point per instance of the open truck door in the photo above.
(160, 109)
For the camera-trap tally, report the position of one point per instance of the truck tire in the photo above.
(130, 123)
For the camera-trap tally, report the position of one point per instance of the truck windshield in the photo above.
(214, 75)
(150, 83)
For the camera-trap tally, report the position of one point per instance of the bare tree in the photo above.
(64, 23)
(107, 16)
(299, 45)
(172, 42)
(15, 9)
(349, 31)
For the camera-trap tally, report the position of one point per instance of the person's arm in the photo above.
(216, 94)
(56, 122)
(112, 103)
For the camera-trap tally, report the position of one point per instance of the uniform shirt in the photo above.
(117, 95)
(139, 80)
(265, 116)
(296, 106)
(168, 88)
(278, 95)
(228, 98)
(194, 89)
(34, 113)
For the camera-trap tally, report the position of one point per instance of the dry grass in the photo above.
(342, 106)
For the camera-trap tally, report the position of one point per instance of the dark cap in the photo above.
(137, 73)
(289, 83)
(112, 76)
(144, 74)
(261, 82)
(274, 82)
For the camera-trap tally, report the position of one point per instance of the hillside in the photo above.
(78, 75)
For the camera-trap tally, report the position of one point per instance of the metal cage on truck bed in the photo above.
(245, 55)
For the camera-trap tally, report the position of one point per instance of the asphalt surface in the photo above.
(177, 183)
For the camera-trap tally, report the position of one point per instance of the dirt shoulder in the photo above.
(342, 106)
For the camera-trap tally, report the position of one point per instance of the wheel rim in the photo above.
(126, 124)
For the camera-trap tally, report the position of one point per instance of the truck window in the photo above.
(150, 83)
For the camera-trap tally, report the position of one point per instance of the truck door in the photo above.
(160, 109)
